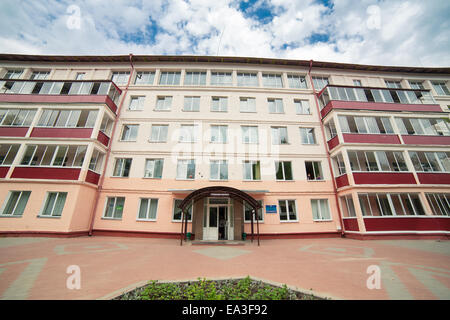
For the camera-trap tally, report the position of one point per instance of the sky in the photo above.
(392, 32)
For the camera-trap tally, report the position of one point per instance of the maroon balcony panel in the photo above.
(103, 138)
(342, 181)
(427, 140)
(46, 173)
(3, 171)
(432, 223)
(92, 177)
(13, 131)
(55, 98)
(371, 138)
(333, 142)
(62, 132)
(378, 106)
(383, 178)
(434, 177)
(351, 224)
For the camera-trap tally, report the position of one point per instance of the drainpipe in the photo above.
(325, 145)
(108, 150)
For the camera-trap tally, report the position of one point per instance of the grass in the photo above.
(203, 289)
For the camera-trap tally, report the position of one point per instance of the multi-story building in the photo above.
(136, 145)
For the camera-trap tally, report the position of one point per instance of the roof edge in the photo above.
(218, 59)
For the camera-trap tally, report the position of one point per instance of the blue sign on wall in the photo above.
(271, 208)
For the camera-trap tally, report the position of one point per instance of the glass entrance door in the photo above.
(217, 224)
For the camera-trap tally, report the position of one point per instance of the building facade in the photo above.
(112, 145)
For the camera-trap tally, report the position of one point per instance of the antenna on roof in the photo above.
(220, 40)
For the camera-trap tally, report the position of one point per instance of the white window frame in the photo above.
(276, 105)
(220, 165)
(147, 210)
(185, 166)
(293, 78)
(219, 104)
(191, 104)
(282, 164)
(287, 211)
(136, 103)
(256, 214)
(153, 168)
(148, 75)
(114, 208)
(319, 207)
(251, 162)
(272, 80)
(122, 168)
(201, 78)
(52, 211)
(163, 103)
(308, 135)
(181, 213)
(302, 105)
(188, 131)
(219, 133)
(221, 75)
(277, 137)
(173, 78)
(247, 105)
(250, 132)
(19, 198)
(159, 127)
(128, 134)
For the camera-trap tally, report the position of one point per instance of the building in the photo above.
(119, 145)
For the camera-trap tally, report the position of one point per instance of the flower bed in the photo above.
(237, 289)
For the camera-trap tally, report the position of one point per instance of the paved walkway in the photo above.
(36, 268)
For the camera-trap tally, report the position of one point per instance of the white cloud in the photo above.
(410, 32)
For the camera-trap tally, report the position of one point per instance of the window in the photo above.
(219, 104)
(54, 155)
(339, 165)
(120, 77)
(122, 167)
(144, 77)
(195, 78)
(430, 161)
(247, 79)
(186, 169)
(16, 117)
(393, 84)
(440, 88)
(279, 135)
(39, 75)
(219, 134)
(275, 105)
(320, 209)
(129, 132)
(416, 85)
(296, 81)
(54, 204)
(249, 134)
(13, 74)
(159, 133)
(154, 168)
(16, 203)
(114, 207)
(283, 170)
(248, 104)
(248, 212)
(170, 78)
(319, 83)
(435, 127)
(272, 80)
(68, 118)
(288, 210)
(307, 136)
(177, 211)
(313, 170)
(439, 203)
(147, 209)
(252, 170)
(388, 161)
(137, 103)
(188, 133)
(106, 125)
(302, 107)
(390, 204)
(163, 103)
(96, 161)
(357, 83)
(219, 170)
(221, 78)
(375, 125)
(348, 206)
(8, 153)
(80, 75)
(191, 104)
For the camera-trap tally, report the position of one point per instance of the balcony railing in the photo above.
(61, 87)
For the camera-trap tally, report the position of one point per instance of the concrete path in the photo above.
(36, 268)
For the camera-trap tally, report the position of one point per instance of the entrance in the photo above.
(218, 221)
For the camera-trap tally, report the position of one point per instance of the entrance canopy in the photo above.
(217, 192)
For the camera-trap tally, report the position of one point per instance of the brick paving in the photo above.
(36, 268)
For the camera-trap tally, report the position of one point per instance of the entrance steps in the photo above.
(218, 242)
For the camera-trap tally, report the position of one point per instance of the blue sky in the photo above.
(394, 32)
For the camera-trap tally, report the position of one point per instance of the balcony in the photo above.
(384, 178)
(378, 99)
(434, 178)
(60, 91)
(371, 138)
(82, 133)
(426, 140)
(407, 223)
